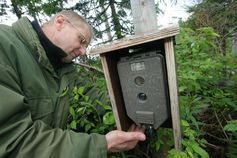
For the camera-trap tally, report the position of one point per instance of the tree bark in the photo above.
(115, 20)
(16, 9)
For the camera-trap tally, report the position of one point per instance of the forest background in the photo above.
(206, 59)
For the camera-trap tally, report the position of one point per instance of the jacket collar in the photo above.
(27, 34)
(23, 28)
(54, 53)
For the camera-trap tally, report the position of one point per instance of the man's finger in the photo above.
(131, 136)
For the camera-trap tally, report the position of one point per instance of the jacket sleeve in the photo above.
(22, 137)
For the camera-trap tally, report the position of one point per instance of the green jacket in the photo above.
(32, 113)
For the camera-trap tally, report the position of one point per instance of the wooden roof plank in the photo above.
(135, 40)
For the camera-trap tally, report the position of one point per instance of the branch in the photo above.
(231, 31)
(16, 9)
(91, 68)
(221, 125)
(101, 13)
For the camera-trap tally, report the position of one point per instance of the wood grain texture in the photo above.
(173, 90)
(141, 9)
(113, 84)
(135, 40)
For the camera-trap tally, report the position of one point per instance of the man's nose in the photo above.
(82, 50)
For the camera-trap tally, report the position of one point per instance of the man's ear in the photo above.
(59, 22)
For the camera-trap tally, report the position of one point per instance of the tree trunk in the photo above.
(115, 20)
(234, 43)
(16, 9)
(107, 26)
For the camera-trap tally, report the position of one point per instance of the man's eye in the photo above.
(83, 41)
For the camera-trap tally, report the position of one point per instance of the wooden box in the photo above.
(110, 54)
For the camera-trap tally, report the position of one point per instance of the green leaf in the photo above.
(157, 145)
(182, 88)
(190, 152)
(108, 118)
(64, 92)
(176, 154)
(76, 97)
(72, 112)
(81, 90)
(75, 90)
(73, 124)
(203, 142)
(199, 150)
(79, 110)
(87, 127)
(231, 126)
(185, 123)
(86, 98)
(106, 107)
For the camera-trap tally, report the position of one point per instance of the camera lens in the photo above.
(139, 80)
(142, 96)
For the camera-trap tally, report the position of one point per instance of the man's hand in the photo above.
(120, 141)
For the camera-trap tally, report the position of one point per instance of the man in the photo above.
(36, 67)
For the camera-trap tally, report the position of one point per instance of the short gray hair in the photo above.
(74, 18)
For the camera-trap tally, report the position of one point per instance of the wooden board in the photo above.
(173, 90)
(115, 93)
(110, 53)
(140, 11)
(135, 40)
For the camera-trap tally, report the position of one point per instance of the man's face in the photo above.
(73, 40)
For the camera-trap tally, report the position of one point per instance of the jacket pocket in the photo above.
(41, 108)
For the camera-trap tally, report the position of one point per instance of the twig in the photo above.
(91, 68)
(221, 126)
(213, 136)
(213, 146)
(219, 139)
